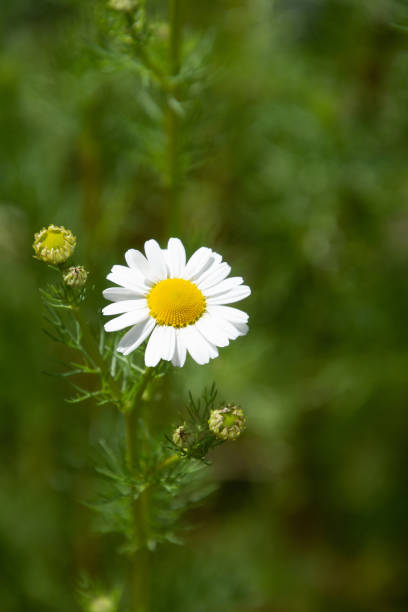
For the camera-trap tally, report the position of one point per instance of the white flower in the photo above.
(180, 305)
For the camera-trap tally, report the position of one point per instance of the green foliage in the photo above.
(197, 440)
(158, 489)
(116, 492)
(121, 379)
(174, 484)
(95, 598)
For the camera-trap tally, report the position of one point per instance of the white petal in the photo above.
(224, 286)
(133, 274)
(234, 315)
(126, 320)
(213, 261)
(175, 257)
(135, 336)
(200, 349)
(242, 328)
(197, 262)
(168, 342)
(232, 330)
(128, 278)
(115, 294)
(234, 295)
(137, 261)
(217, 258)
(156, 260)
(180, 351)
(215, 275)
(154, 349)
(124, 306)
(212, 330)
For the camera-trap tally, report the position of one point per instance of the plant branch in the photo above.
(93, 351)
(173, 123)
(175, 36)
(141, 558)
(168, 461)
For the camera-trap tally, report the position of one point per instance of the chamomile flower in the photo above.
(180, 304)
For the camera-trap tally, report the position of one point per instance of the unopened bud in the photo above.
(54, 244)
(227, 423)
(75, 276)
(161, 30)
(123, 5)
(102, 604)
(182, 437)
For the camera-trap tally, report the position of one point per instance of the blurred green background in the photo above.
(294, 153)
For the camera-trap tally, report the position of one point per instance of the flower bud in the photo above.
(182, 437)
(227, 423)
(161, 30)
(102, 604)
(54, 244)
(123, 5)
(75, 276)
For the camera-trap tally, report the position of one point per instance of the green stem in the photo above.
(175, 36)
(173, 123)
(153, 67)
(93, 351)
(169, 461)
(140, 389)
(130, 447)
(143, 54)
(140, 562)
(142, 10)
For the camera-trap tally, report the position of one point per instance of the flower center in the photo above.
(53, 239)
(176, 302)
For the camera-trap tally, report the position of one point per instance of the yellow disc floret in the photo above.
(54, 244)
(176, 302)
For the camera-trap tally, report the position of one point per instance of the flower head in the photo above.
(227, 423)
(180, 304)
(75, 276)
(54, 244)
(182, 437)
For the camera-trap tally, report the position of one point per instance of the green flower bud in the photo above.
(227, 423)
(102, 604)
(123, 5)
(160, 29)
(75, 276)
(54, 244)
(182, 437)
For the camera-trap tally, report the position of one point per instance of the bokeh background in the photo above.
(295, 168)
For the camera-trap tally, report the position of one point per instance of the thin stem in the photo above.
(173, 122)
(169, 461)
(139, 568)
(140, 389)
(153, 67)
(140, 563)
(175, 36)
(142, 10)
(130, 450)
(143, 54)
(93, 350)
